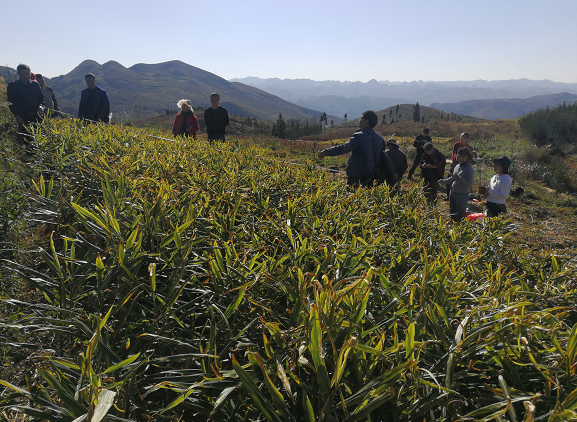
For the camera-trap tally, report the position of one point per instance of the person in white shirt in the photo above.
(499, 187)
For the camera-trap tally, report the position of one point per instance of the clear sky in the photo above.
(395, 40)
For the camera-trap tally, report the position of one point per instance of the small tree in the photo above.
(345, 117)
(279, 128)
(416, 113)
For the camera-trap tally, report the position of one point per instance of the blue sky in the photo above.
(399, 40)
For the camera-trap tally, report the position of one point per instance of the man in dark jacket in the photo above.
(215, 119)
(26, 98)
(94, 104)
(418, 143)
(432, 169)
(364, 149)
(398, 160)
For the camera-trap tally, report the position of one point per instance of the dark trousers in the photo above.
(431, 189)
(355, 182)
(493, 209)
(415, 163)
(458, 205)
(212, 138)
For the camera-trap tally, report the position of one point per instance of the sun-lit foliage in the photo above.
(217, 282)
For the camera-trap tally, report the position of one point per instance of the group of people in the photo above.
(215, 119)
(31, 100)
(372, 161)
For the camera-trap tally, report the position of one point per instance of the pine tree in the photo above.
(279, 128)
(416, 113)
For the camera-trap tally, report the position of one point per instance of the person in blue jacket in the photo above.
(94, 105)
(364, 149)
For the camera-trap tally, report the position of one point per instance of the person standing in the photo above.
(94, 103)
(499, 187)
(432, 169)
(185, 122)
(26, 98)
(364, 149)
(461, 182)
(419, 143)
(49, 97)
(463, 142)
(398, 160)
(216, 119)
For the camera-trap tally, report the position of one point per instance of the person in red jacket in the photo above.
(185, 122)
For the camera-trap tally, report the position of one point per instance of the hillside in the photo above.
(512, 108)
(149, 89)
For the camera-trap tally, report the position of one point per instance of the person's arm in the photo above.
(82, 105)
(340, 149)
(175, 126)
(207, 121)
(195, 125)
(12, 99)
(106, 106)
(226, 121)
(194, 128)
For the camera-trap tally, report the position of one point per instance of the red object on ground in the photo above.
(478, 216)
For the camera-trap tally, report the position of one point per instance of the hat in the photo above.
(392, 141)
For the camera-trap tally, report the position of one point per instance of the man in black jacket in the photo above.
(26, 97)
(215, 119)
(94, 105)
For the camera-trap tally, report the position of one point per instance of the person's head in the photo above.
(392, 143)
(23, 71)
(185, 105)
(426, 131)
(429, 148)
(90, 80)
(501, 164)
(214, 99)
(368, 118)
(463, 154)
(40, 80)
(464, 137)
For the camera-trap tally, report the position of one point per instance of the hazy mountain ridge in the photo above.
(331, 96)
(512, 108)
(149, 89)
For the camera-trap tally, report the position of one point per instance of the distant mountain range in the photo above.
(505, 109)
(353, 98)
(149, 89)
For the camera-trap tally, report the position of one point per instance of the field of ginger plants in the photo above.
(177, 280)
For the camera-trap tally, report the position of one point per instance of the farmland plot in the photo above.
(181, 280)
